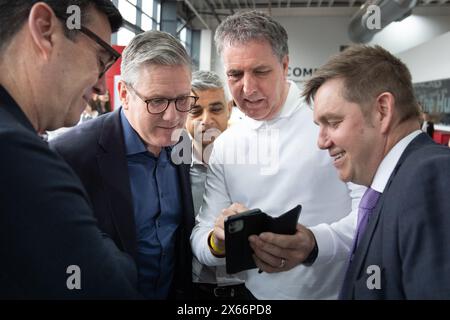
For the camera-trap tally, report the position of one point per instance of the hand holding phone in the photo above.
(239, 227)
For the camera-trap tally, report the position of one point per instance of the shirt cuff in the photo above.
(206, 257)
(325, 242)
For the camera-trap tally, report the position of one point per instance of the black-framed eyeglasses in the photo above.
(113, 54)
(159, 105)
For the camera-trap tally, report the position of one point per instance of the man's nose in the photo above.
(206, 118)
(100, 86)
(323, 141)
(171, 113)
(249, 84)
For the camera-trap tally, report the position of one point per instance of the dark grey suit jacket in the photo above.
(96, 151)
(408, 235)
(47, 224)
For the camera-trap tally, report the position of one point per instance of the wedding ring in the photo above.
(282, 263)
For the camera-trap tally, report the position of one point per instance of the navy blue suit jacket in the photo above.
(47, 224)
(408, 235)
(96, 151)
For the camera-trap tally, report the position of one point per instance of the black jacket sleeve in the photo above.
(47, 230)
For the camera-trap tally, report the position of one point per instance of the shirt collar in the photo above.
(195, 160)
(389, 162)
(8, 102)
(292, 103)
(133, 143)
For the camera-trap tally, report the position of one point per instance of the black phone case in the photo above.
(239, 227)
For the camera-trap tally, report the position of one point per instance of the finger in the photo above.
(264, 266)
(267, 247)
(220, 221)
(238, 207)
(266, 258)
(298, 240)
(228, 212)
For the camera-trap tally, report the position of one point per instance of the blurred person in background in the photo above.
(205, 122)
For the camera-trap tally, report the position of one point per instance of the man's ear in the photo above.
(385, 109)
(42, 24)
(285, 63)
(124, 94)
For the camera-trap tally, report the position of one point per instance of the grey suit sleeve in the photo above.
(47, 228)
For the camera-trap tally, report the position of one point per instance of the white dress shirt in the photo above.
(275, 165)
(389, 162)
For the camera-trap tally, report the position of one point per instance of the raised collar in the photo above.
(8, 102)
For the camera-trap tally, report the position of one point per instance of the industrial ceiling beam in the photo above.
(211, 7)
(189, 4)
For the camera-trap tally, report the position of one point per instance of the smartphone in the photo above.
(238, 253)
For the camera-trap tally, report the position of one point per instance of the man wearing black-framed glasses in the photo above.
(109, 55)
(50, 245)
(129, 154)
(160, 105)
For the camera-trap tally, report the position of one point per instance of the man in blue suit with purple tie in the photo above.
(369, 122)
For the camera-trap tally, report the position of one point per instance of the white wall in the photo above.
(205, 49)
(313, 39)
(411, 32)
(430, 60)
(308, 50)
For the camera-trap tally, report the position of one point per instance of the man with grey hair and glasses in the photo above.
(50, 246)
(140, 198)
(309, 264)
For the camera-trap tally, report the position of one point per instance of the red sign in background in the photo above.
(110, 78)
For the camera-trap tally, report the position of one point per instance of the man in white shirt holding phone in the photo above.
(270, 160)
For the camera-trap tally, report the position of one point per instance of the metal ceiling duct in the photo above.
(375, 15)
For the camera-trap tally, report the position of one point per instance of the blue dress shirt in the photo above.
(157, 212)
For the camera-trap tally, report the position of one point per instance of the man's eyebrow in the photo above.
(234, 71)
(263, 66)
(329, 116)
(215, 103)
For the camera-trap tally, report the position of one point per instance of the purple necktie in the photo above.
(368, 202)
(366, 205)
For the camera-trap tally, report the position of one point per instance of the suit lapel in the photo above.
(114, 172)
(186, 194)
(357, 265)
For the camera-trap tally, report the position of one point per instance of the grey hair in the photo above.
(249, 26)
(152, 48)
(204, 80)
